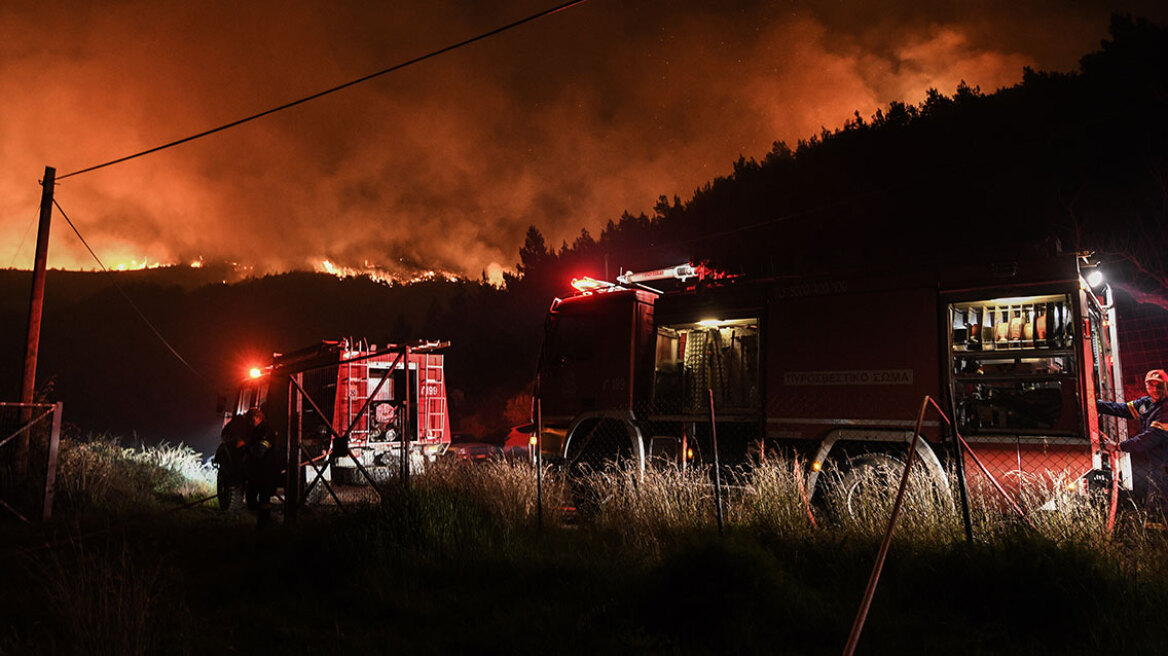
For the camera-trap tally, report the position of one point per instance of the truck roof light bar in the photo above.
(680, 272)
(587, 285)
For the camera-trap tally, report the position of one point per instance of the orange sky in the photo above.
(563, 123)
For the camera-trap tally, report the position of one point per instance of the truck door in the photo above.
(592, 351)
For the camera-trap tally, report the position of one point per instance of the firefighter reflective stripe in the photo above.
(266, 444)
(1161, 425)
(1131, 407)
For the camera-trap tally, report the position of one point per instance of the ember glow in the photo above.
(563, 123)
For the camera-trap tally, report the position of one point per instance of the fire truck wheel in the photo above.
(868, 487)
(869, 480)
(230, 495)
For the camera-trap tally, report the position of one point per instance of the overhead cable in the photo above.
(366, 78)
(128, 299)
(16, 253)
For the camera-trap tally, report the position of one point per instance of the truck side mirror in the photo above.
(220, 404)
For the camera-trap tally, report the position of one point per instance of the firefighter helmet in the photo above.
(1157, 375)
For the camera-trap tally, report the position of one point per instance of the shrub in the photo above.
(99, 473)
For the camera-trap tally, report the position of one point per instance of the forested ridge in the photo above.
(1073, 159)
(1081, 157)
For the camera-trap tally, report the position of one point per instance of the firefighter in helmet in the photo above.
(263, 466)
(1152, 440)
(1151, 411)
(232, 450)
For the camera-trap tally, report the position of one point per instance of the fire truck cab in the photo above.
(346, 407)
(836, 368)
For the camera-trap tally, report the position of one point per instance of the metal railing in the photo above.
(28, 478)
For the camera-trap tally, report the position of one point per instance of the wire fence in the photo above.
(29, 439)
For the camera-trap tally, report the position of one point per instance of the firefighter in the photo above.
(232, 453)
(1152, 413)
(236, 431)
(263, 467)
(1149, 410)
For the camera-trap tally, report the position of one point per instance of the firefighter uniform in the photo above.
(1153, 418)
(263, 469)
(1152, 440)
(1151, 412)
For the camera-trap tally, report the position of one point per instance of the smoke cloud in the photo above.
(563, 123)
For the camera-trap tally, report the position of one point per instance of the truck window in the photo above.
(251, 395)
(574, 338)
(722, 356)
(1012, 366)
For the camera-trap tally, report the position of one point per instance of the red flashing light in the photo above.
(586, 284)
(255, 372)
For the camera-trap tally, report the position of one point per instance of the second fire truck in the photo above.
(348, 407)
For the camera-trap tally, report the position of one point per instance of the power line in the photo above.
(391, 69)
(129, 300)
(16, 253)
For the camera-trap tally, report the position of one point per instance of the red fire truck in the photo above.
(836, 368)
(346, 403)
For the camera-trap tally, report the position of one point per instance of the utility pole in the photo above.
(35, 307)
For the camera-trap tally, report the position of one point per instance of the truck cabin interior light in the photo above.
(710, 323)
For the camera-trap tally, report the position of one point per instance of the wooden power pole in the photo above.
(35, 307)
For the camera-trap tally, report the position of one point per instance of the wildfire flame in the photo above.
(145, 263)
(381, 275)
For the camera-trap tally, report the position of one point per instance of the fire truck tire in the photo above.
(877, 476)
(230, 496)
(868, 475)
(596, 443)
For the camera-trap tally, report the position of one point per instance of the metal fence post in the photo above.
(51, 466)
(539, 462)
(717, 463)
(962, 486)
(292, 489)
(407, 406)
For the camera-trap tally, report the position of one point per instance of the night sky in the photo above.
(562, 123)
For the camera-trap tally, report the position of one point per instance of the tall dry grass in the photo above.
(98, 472)
(642, 544)
(649, 508)
(107, 600)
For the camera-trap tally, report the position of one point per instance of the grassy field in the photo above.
(458, 565)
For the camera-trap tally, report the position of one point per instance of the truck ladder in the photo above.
(433, 405)
(355, 382)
